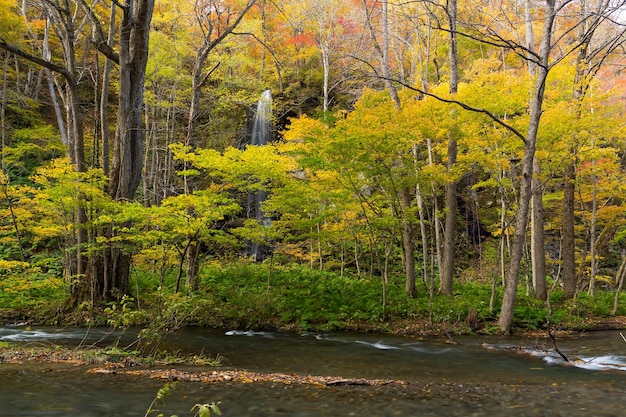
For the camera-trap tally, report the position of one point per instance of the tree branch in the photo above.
(256, 38)
(464, 106)
(37, 60)
(97, 33)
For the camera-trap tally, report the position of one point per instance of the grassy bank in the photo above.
(241, 295)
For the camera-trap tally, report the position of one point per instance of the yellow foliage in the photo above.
(10, 266)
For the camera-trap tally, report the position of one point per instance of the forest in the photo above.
(417, 160)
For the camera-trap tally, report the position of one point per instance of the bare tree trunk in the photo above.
(620, 284)
(505, 320)
(453, 58)
(428, 281)
(104, 96)
(538, 251)
(436, 223)
(393, 92)
(53, 94)
(567, 233)
(530, 38)
(447, 268)
(592, 236)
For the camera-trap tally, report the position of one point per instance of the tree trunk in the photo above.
(447, 268)
(505, 321)
(567, 233)
(125, 174)
(407, 244)
(453, 58)
(104, 97)
(538, 251)
(436, 223)
(419, 201)
(53, 94)
(620, 284)
(393, 92)
(193, 264)
(133, 55)
(592, 236)
(530, 37)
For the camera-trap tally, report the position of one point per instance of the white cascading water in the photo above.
(261, 134)
(262, 129)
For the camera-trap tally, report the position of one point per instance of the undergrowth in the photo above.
(246, 295)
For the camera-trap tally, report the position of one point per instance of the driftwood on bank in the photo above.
(246, 377)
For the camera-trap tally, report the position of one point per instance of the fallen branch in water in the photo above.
(246, 377)
(556, 348)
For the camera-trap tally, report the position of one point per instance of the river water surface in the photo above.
(475, 376)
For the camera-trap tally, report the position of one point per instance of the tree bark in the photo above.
(125, 174)
(447, 267)
(567, 233)
(393, 92)
(592, 236)
(538, 251)
(407, 244)
(104, 97)
(505, 321)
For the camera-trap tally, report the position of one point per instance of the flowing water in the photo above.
(476, 376)
(261, 135)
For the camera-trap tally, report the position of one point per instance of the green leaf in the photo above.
(216, 409)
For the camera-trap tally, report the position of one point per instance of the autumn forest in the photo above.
(431, 150)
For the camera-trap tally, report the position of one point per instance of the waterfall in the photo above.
(261, 134)
(262, 129)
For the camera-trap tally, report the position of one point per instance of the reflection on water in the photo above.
(463, 379)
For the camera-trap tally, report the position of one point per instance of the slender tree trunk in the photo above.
(53, 94)
(104, 96)
(505, 321)
(407, 245)
(428, 281)
(567, 233)
(592, 236)
(447, 268)
(530, 37)
(436, 223)
(620, 284)
(453, 58)
(393, 92)
(538, 251)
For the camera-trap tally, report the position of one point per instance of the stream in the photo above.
(474, 376)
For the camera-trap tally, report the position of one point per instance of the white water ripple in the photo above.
(378, 345)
